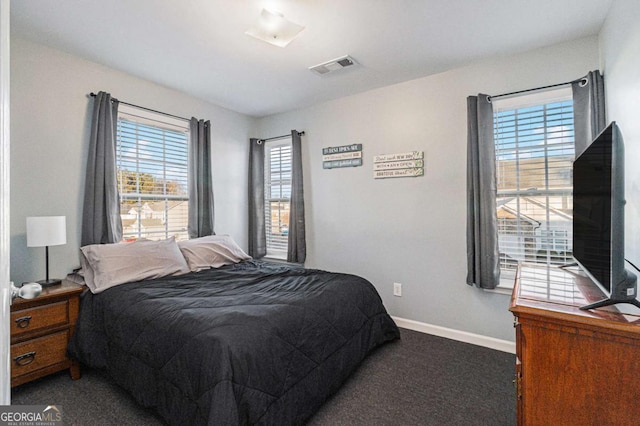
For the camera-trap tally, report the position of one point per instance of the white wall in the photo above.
(412, 230)
(50, 123)
(5, 287)
(620, 56)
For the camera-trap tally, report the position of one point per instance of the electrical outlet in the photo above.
(397, 289)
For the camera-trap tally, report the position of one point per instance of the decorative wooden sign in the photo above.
(381, 174)
(406, 164)
(342, 156)
(413, 155)
(398, 165)
(353, 162)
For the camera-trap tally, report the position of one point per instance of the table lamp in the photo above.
(45, 231)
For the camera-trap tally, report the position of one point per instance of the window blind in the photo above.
(534, 163)
(152, 167)
(277, 196)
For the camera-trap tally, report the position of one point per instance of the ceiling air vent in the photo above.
(333, 65)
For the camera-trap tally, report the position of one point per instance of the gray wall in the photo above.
(50, 122)
(412, 230)
(620, 56)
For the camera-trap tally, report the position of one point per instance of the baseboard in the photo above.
(461, 336)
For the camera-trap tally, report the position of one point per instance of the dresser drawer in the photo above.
(38, 353)
(34, 319)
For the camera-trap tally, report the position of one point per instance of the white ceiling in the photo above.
(199, 46)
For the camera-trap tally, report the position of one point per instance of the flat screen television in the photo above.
(598, 218)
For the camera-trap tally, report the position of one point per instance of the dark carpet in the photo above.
(418, 380)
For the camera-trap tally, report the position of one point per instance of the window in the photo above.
(277, 178)
(152, 161)
(534, 139)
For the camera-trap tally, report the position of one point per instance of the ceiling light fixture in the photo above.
(273, 28)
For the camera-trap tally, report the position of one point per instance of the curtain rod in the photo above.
(93, 95)
(583, 81)
(279, 137)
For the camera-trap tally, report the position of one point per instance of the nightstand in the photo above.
(40, 331)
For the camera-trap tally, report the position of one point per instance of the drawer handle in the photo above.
(25, 359)
(23, 322)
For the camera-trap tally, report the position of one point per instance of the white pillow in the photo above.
(107, 265)
(213, 251)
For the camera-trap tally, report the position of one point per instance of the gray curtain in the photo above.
(297, 245)
(257, 230)
(588, 109)
(483, 267)
(201, 214)
(101, 223)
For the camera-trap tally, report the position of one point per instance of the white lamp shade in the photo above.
(46, 231)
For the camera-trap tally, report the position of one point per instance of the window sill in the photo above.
(507, 282)
(500, 290)
(268, 258)
(276, 257)
(280, 261)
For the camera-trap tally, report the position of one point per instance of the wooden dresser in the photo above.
(573, 367)
(40, 331)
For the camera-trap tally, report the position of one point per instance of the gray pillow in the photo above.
(212, 251)
(108, 265)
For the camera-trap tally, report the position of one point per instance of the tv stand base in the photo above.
(609, 302)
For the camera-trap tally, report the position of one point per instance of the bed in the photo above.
(245, 343)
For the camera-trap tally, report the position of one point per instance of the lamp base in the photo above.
(49, 283)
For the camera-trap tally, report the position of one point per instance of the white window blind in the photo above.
(277, 196)
(534, 137)
(152, 167)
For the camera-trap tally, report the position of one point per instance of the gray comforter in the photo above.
(252, 343)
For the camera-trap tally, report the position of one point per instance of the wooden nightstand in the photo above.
(40, 331)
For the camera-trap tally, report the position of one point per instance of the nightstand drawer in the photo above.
(38, 353)
(46, 316)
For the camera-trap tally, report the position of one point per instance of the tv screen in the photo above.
(592, 208)
(598, 217)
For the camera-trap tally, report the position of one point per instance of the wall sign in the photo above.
(391, 165)
(406, 164)
(334, 157)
